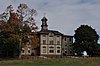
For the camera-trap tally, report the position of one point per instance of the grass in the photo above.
(53, 62)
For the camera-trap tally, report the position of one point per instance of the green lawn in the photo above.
(53, 62)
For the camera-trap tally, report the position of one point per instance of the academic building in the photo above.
(51, 43)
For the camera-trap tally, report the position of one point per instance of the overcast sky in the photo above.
(63, 15)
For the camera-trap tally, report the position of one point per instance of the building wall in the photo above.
(67, 45)
(31, 47)
(26, 50)
(50, 44)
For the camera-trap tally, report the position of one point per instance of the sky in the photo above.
(63, 15)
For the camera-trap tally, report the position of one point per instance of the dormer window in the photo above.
(44, 35)
(58, 36)
(50, 34)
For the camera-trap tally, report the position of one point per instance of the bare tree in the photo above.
(26, 15)
(9, 8)
(5, 16)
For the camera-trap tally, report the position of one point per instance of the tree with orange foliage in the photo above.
(18, 23)
(35, 44)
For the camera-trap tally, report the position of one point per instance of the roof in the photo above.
(48, 31)
(44, 19)
(67, 36)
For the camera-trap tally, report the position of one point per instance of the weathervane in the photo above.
(44, 13)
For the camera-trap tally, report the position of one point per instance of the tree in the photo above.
(8, 44)
(26, 15)
(35, 45)
(18, 24)
(86, 39)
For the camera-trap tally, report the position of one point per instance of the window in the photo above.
(70, 45)
(65, 51)
(44, 35)
(44, 41)
(58, 51)
(65, 45)
(27, 42)
(58, 47)
(70, 39)
(51, 35)
(70, 52)
(65, 48)
(51, 42)
(58, 42)
(51, 51)
(58, 36)
(65, 39)
(44, 49)
(51, 47)
(28, 51)
(29, 36)
(22, 51)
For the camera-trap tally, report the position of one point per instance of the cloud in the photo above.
(63, 15)
(70, 16)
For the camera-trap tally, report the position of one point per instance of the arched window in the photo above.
(23, 50)
(58, 47)
(44, 46)
(29, 51)
(51, 47)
